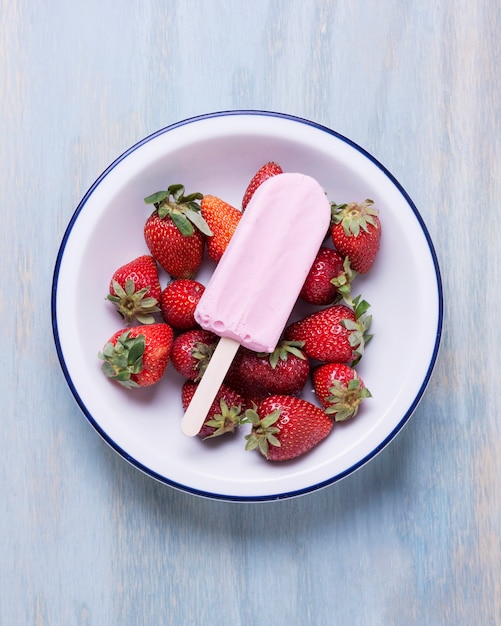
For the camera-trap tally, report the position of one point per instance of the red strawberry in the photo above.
(138, 356)
(266, 171)
(222, 219)
(225, 412)
(191, 352)
(257, 375)
(356, 233)
(285, 427)
(179, 301)
(339, 390)
(135, 290)
(174, 232)
(329, 278)
(335, 334)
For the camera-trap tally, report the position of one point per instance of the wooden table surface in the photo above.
(413, 538)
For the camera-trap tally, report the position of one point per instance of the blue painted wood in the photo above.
(411, 539)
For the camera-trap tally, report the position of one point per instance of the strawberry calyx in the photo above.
(263, 431)
(124, 358)
(283, 350)
(353, 216)
(183, 210)
(202, 353)
(343, 281)
(226, 421)
(344, 400)
(359, 336)
(132, 304)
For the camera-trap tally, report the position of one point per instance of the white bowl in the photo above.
(217, 154)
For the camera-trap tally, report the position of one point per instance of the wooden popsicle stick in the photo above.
(208, 386)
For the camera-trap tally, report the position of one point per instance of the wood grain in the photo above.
(411, 539)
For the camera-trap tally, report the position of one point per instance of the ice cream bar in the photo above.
(256, 283)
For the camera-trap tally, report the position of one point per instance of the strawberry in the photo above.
(224, 414)
(174, 232)
(178, 302)
(135, 290)
(335, 334)
(356, 233)
(266, 171)
(191, 352)
(257, 375)
(222, 219)
(138, 356)
(285, 427)
(339, 390)
(329, 279)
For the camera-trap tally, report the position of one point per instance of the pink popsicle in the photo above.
(255, 285)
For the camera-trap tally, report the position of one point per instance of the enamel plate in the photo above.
(218, 154)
